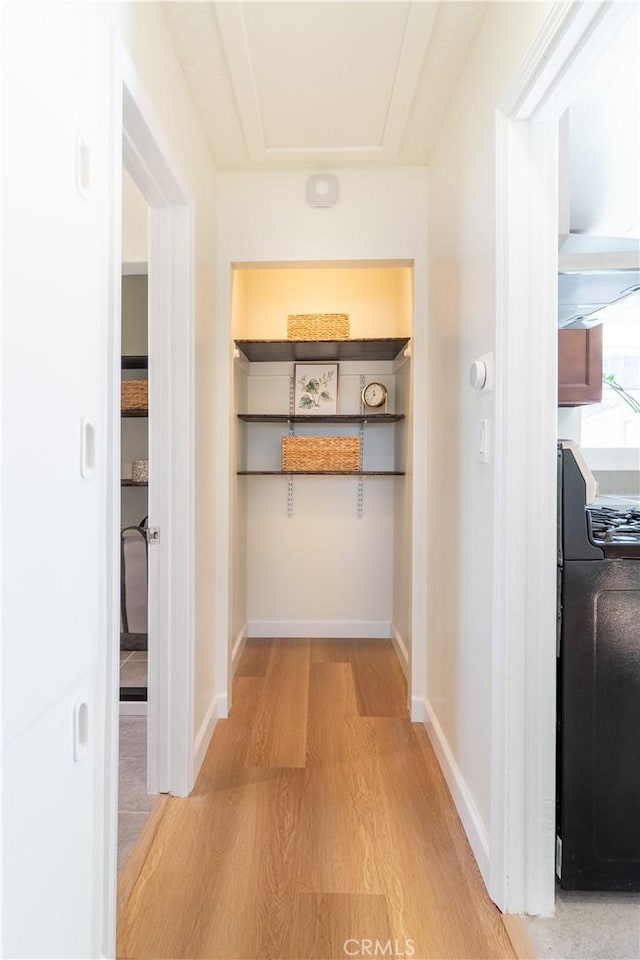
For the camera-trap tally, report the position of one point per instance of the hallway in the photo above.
(320, 822)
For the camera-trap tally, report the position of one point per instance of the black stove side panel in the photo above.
(576, 544)
(600, 726)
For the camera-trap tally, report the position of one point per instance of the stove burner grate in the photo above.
(608, 525)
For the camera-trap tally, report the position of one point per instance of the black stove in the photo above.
(597, 528)
(598, 742)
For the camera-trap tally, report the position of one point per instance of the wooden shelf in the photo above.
(135, 362)
(134, 413)
(263, 351)
(134, 483)
(367, 418)
(321, 473)
(133, 694)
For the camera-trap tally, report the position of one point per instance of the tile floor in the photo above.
(134, 803)
(589, 926)
(133, 668)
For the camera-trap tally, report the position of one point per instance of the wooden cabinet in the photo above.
(579, 366)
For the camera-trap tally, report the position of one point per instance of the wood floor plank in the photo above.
(279, 737)
(225, 763)
(439, 878)
(255, 657)
(333, 925)
(332, 650)
(312, 824)
(338, 851)
(379, 681)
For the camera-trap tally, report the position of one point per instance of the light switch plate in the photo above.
(483, 441)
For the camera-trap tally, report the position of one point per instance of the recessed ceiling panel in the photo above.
(313, 82)
(324, 73)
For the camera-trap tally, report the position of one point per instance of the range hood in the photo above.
(582, 293)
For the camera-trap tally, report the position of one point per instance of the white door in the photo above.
(53, 480)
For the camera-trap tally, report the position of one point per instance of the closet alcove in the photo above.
(322, 555)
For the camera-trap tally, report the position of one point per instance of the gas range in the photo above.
(592, 527)
(617, 531)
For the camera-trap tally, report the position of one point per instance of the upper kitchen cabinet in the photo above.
(579, 366)
(584, 297)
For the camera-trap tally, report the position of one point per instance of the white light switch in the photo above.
(483, 441)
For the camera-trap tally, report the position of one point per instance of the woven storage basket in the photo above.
(300, 454)
(134, 394)
(318, 326)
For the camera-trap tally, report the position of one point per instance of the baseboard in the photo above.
(401, 652)
(238, 647)
(418, 712)
(321, 629)
(217, 711)
(133, 708)
(465, 804)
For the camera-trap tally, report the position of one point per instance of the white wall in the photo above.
(263, 218)
(56, 84)
(462, 268)
(135, 225)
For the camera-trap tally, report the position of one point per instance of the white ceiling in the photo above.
(318, 84)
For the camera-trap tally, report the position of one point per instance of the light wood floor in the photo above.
(320, 819)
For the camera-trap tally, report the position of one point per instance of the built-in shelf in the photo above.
(134, 483)
(367, 418)
(135, 413)
(135, 362)
(321, 473)
(133, 694)
(263, 351)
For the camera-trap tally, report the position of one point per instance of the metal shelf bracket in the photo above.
(289, 497)
(360, 496)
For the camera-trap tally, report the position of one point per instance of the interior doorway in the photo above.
(141, 150)
(524, 665)
(136, 644)
(317, 552)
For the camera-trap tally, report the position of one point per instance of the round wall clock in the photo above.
(374, 395)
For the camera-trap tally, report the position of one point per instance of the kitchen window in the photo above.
(614, 424)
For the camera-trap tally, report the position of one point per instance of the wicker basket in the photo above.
(318, 326)
(302, 454)
(134, 394)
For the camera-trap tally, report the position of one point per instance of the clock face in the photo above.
(374, 394)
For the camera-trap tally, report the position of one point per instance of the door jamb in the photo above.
(522, 869)
(138, 142)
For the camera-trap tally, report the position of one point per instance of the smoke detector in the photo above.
(322, 190)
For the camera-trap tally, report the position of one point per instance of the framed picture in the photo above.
(316, 389)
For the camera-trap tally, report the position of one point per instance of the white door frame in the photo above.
(522, 872)
(138, 142)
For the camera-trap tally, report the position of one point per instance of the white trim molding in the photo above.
(571, 39)
(401, 652)
(138, 141)
(217, 711)
(524, 602)
(321, 629)
(472, 822)
(238, 648)
(150, 163)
